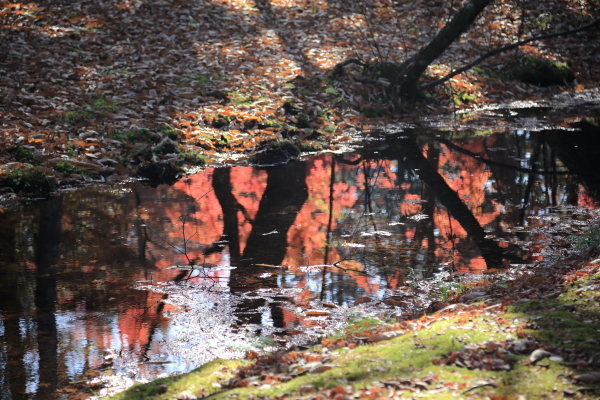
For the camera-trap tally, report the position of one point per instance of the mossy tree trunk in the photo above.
(405, 83)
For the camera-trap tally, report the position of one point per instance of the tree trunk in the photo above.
(410, 71)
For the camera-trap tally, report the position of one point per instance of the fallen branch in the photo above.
(479, 386)
(503, 49)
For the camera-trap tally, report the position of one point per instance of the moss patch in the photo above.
(30, 180)
(200, 382)
(191, 157)
(542, 72)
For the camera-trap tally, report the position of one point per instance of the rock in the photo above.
(542, 72)
(385, 336)
(473, 296)
(538, 355)
(187, 395)
(158, 173)
(588, 377)
(162, 389)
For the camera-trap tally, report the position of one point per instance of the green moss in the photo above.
(220, 121)
(407, 356)
(133, 136)
(71, 149)
(168, 131)
(201, 79)
(32, 180)
(238, 98)
(198, 382)
(191, 157)
(303, 120)
(568, 321)
(329, 129)
(270, 123)
(373, 112)
(309, 147)
(540, 71)
(99, 108)
(590, 239)
(461, 98)
(77, 117)
(67, 168)
(21, 153)
(332, 92)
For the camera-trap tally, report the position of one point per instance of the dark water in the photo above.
(131, 282)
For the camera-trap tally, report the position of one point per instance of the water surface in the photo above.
(131, 282)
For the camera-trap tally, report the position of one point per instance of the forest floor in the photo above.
(531, 336)
(102, 91)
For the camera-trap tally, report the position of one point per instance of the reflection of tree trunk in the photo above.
(230, 207)
(283, 198)
(281, 202)
(12, 377)
(13, 291)
(530, 182)
(45, 294)
(329, 227)
(579, 151)
(433, 155)
(413, 157)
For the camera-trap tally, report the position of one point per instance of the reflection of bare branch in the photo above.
(498, 164)
(506, 48)
(184, 219)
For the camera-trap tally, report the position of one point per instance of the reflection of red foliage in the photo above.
(249, 185)
(308, 236)
(584, 199)
(408, 206)
(469, 181)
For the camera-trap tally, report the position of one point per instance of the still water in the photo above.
(130, 282)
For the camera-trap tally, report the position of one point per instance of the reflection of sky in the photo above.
(31, 360)
(73, 342)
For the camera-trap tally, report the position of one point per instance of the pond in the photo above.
(107, 285)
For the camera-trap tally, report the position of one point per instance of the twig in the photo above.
(479, 386)
(336, 265)
(503, 49)
(183, 218)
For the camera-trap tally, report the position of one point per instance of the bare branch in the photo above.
(503, 49)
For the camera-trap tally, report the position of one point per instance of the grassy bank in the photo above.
(534, 338)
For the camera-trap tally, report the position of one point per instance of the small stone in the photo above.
(589, 377)
(385, 336)
(305, 389)
(473, 296)
(538, 355)
(187, 395)
(162, 389)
